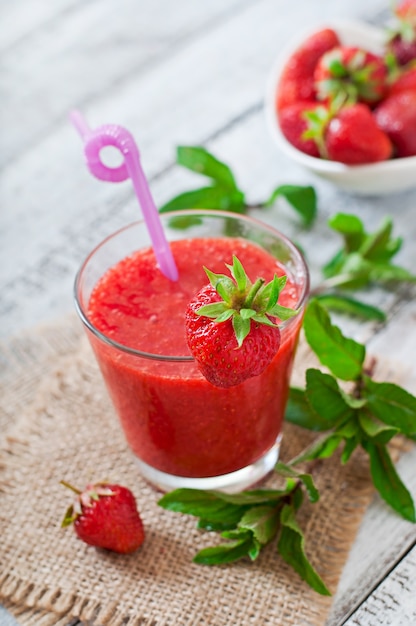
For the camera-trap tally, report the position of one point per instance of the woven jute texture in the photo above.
(56, 422)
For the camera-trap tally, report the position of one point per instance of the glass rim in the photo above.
(300, 260)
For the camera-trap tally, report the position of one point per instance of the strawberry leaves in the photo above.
(243, 301)
(224, 194)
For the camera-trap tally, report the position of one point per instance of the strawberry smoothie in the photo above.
(174, 420)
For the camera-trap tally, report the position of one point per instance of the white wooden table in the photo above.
(192, 73)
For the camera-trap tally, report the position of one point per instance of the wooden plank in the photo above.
(394, 600)
(53, 212)
(89, 52)
(382, 540)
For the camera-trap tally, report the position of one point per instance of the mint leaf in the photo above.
(306, 479)
(351, 306)
(374, 429)
(379, 246)
(291, 547)
(325, 397)
(193, 502)
(387, 481)
(302, 199)
(391, 404)
(351, 227)
(349, 447)
(365, 257)
(322, 448)
(300, 412)
(257, 496)
(343, 356)
(225, 552)
(199, 160)
(385, 273)
(262, 521)
(214, 197)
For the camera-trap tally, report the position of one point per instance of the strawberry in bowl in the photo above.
(335, 131)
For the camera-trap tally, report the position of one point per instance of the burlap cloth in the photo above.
(56, 422)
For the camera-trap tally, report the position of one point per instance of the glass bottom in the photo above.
(234, 482)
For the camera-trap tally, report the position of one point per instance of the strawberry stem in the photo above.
(69, 486)
(253, 292)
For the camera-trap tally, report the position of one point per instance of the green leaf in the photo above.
(262, 521)
(300, 412)
(349, 428)
(199, 160)
(225, 552)
(238, 273)
(282, 312)
(192, 502)
(385, 273)
(215, 309)
(241, 328)
(223, 285)
(226, 315)
(306, 479)
(391, 404)
(291, 547)
(247, 314)
(379, 246)
(256, 496)
(387, 481)
(376, 430)
(334, 266)
(269, 294)
(69, 517)
(343, 356)
(214, 197)
(325, 397)
(302, 199)
(349, 447)
(322, 448)
(345, 304)
(254, 551)
(351, 227)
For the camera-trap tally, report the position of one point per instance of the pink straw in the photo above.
(120, 138)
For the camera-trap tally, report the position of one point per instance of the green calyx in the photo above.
(318, 120)
(355, 80)
(243, 301)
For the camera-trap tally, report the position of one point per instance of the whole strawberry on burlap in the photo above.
(106, 516)
(231, 325)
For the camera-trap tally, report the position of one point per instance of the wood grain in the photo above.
(179, 72)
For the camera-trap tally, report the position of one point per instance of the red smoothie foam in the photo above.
(173, 418)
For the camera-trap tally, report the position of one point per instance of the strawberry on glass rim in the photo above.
(231, 325)
(105, 516)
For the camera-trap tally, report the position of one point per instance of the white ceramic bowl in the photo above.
(378, 178)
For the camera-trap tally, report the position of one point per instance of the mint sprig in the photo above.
(369, 415)
(250, 520)
(224, 194)
(365, 259)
